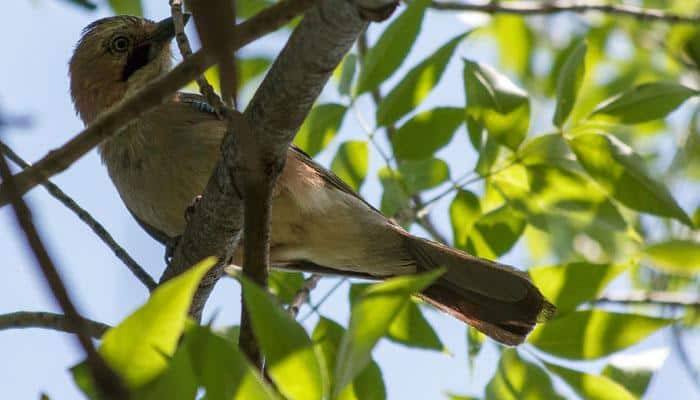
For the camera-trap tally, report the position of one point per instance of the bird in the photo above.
(161, 161)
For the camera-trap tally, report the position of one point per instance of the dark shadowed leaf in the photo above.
(369, 383)
(591, 387)
(465, 210)
(249, 68)
(178, 382)
(87, 4)
(371, 316)
(569, 285)
(392, 47)
(416, 85)
(136, 348)
(292, 362)
(645, 102)
(495, 233)
(569, 83)
(675, 256)
(423, 174)
(127, 7)
(320, 127)
(427, 132)
(496, 103)
(285, 285)
(351, 163)
(475, 341)
(347, 73)
(395, 196)
(591, 334)
(622, 173)
(517, 379)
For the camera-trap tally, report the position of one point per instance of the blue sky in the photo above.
(39, 38)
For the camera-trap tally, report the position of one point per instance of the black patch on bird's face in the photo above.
(138, 58)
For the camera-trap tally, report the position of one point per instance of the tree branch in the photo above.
(58, 322)
(151, 95)
(666, 299)
(303, 294)
(88, 219)
(108, 382)
(554, 7)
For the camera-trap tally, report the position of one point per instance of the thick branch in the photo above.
(554, 7)
(47, 320)
(107, 381)
(150, 96)
(91, 222)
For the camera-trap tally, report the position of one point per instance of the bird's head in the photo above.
(115, 56)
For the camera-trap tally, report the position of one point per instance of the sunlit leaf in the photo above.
(285, 285)
(416, 84)
(569, 82)
(497, 104)
(136, 347)
(645, 102)
(634, 371)
(249, 68)
(593, 334)
(515, 42)
(127, 7)
(548, 150)
(320, 127)
(569, 285)
(222, 369)
(475, 341)
(495, 233)
(675, 256)
(517, 379)
(465, 210)
(351, 163)
(591, 387)
(370, 319)
(391, 49)
(292, 362)
(622, 173)
(369, 383)
(427, 132)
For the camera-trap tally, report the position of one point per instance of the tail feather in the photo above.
(498, 300)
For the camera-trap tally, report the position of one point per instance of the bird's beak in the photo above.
(165, 30)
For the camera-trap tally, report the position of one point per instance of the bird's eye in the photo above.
(119, 44)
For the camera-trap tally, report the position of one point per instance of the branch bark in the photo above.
(666, 299)
(150, 96)
(555, 7)
(47, 320)
(107, 381)
(88, 219)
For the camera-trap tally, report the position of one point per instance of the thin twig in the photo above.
(88, 219)
(682, 351)
(107, 381)
(315, 307)
(47, 320)
(554, 7)
(302, 295)
(151, 95)
(666, 299)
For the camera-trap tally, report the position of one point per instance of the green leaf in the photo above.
(320, 127)
(495, 233)
(369, 383)
(136, 347)
(127, 7)
(645, 102)
(395, 196)
(351, 163)
(475, 341)
(347, 73)
(370, 319)
(292, 362)
(497, 104)
(675, 256)
(515, 42)
(634, 371)
(222, 369)
(382, 60)
(590, 334)
(427, 132)
(178, 382)
(517, 379)
(465, 210)
(416, 84)
(549, 150)
(84, 3)
(248, 8)
(569, 285)
(249, 68)
(591, 387)
(285, 285)
(423, 174)
(410, 328)
(569, 83)
(622, 173)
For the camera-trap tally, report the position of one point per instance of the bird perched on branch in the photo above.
(161, 161)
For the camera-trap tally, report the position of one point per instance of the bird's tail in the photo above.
(495, 299)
